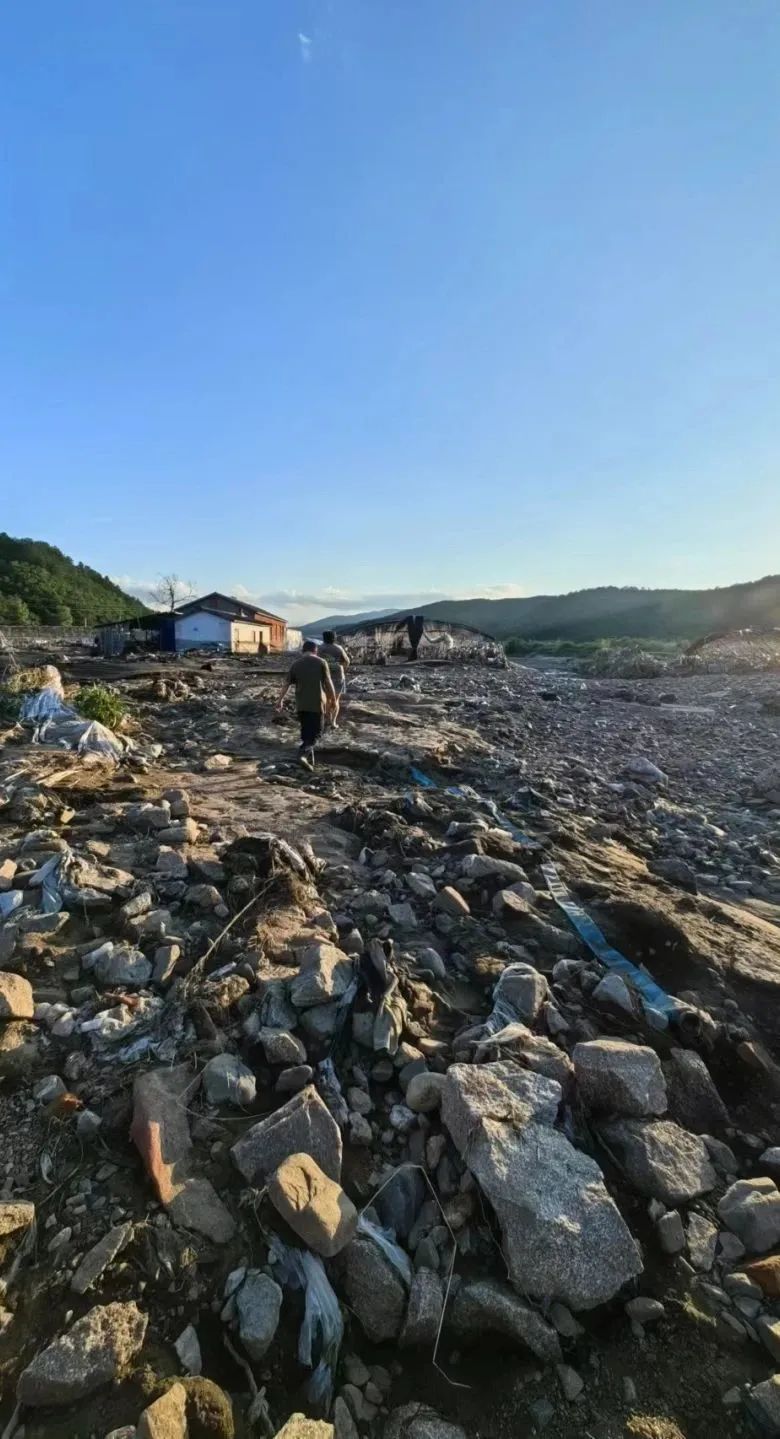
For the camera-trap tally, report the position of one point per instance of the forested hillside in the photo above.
(613, 611)
(41, 585)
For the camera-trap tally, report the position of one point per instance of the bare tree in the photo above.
(172, 591)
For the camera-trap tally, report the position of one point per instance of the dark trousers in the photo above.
(311, 728)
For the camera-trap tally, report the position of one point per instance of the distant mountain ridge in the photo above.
(41, 585)
(336, 622)
(606, 612)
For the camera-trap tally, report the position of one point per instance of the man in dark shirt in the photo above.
(314, 696)
(337, 660)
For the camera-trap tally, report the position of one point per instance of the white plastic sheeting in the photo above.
(58, 724)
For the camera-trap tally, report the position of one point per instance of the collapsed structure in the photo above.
(417, 637)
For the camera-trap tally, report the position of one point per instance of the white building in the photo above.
(208, 627)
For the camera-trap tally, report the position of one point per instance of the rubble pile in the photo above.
(310, 1087)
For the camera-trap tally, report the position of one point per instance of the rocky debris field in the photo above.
(319, 1115)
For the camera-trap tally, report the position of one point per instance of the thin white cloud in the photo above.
(304, 44)
(300, 606)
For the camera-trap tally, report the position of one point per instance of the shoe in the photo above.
(306, 762)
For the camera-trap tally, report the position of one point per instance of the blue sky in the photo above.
(346, 302)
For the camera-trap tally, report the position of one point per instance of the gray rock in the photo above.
(619, 1078)
(660, 1159)
(187, 1347)
(320, 1022)
(423, 1314)
(488, 1306)
(644, 1310)
(399, 1202)
(571, 1382)
(304, 1125)
(259, 1302)
(325, 975)
(344, 1426)
(418, 1421)
(722, 1156)
(763, 1403)
(612, 992)
(421, 884)
(228, 1081)
(423, 1092)
(98, 1258)
(564, 1237)
(533, 1051)
(291, 1080)
(374, 1289)
(282, 1047)
(125, 968)
(483, 866)
(474, 1094)
(702, 1242)
(769, 1161)
(564, 1322)
(671, 1234)
(92, 1353)
(522, 991)
(694, 1101)
(751, 1210)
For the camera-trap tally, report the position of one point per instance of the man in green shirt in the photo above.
(314, 696)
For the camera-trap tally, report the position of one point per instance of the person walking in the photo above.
(338, 663)
(310, 677)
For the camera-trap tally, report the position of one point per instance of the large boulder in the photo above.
(92, 1353)
(304, 1125)
(751, 1210)
(619, 1078)
(660, 1159)
(161, 1133)
(313, 1205)
(563, 1236)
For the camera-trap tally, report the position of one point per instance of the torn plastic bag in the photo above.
(322, 1329)
(385, 1241)
(49, 879)
(504, 1011)
(329, 1087)
(47, 702)
(83, 736)
(11, 900)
